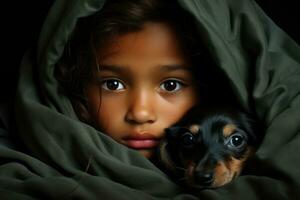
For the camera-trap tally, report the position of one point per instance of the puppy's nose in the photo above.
(204, 178)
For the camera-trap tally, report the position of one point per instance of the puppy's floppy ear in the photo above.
(168, 147)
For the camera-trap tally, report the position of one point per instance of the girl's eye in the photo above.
(171, 85)
(112, 84)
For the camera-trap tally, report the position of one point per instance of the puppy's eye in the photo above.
(187, 140)
(236, 141)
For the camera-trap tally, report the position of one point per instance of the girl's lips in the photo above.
(142, 141)
(142, 144)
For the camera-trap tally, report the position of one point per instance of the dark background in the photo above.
(22, 21)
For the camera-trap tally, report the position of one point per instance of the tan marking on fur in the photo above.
(225, 172)
(194, 128)
(189, 173)
(229, 129)
(165, 157)
(222, 175)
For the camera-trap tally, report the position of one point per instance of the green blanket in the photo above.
(64, 158)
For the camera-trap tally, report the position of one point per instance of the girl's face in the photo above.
(144, 85)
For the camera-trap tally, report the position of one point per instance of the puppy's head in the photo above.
(210, 153)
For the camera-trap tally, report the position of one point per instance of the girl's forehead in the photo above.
(153, 40)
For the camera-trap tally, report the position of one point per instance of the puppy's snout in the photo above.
(204, 178)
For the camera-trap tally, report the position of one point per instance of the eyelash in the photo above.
(121, 86)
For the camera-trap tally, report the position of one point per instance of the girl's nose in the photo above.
(141, 108)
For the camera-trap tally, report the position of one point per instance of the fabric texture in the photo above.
(67, 159)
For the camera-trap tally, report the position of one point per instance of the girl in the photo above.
(133, 70)
(111, 75)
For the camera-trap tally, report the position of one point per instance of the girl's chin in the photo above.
(148, 153)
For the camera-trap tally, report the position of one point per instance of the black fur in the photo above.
(208, 146)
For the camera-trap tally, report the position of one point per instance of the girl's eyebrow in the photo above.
(113, 68)
(167, 68)
(162, 68)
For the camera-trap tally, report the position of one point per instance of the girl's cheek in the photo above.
(110, 112)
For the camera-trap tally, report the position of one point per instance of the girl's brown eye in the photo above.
(112, 84)
(171, 85)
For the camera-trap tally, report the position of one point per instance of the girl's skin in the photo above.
(144, 85)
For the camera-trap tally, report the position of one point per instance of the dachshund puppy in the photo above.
(208, 149)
